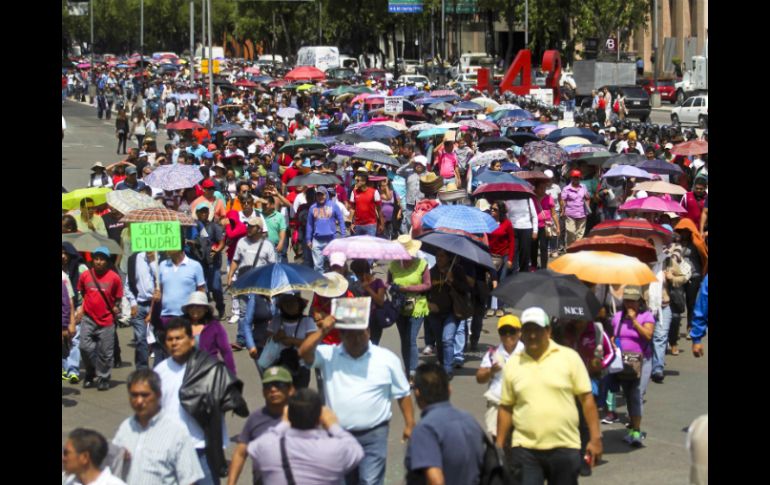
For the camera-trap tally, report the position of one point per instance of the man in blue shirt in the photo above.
(447, 445)
(139, 287)
(321, 229)
(131, 182)
(196, 149)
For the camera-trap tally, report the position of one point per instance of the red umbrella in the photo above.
(632, 228)
(278, 83)
(618, 243)
(245, 83)
(253, 70)
(695, 147)
(305, 73)
(504, 191)
(183, 125)
(652, 204)
(533, 176)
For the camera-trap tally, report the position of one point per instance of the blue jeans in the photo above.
(319, 243)
(446, 326)
(406, 222)
(141, 351)
(208, 477)
(367, 230)
(213, 275)
(72, 363)
(408, 328)
(633, 391)
(660, 341)
(501, 276)
(371, 470)
(251, 336)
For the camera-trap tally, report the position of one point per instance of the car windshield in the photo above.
(665, 83)
(634, 93)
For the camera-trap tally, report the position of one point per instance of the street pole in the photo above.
(432, 37)
(273, 47)
(443, 32)
(655, 43)
(618, 45)
(192, 40)
(526, 24)
(91, 5)
(141, 36)
(203, 30)
(211, 71)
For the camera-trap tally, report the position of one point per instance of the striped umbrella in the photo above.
(273, 279)
(421, 127)
(125, 201)
(633, 228)
(159, 215)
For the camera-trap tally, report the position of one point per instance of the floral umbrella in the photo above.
(545, 153)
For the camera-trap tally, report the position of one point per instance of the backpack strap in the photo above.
(285, 463)
(101, 292)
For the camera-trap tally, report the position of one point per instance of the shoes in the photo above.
(490, 312)
(657, 378)
(610, 418)
(73, 378)
(88, 383)
(104, 385)
(117, 365)
(63, 375)
(674, 350)
(474, 345)
(634, 438)
(500, 313)
(457, 365)
(236, 346)
(428, 350)
(585, 469)
(234, 319)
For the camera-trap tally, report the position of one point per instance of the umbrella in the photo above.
(507, 107)
(626, 171)
(71, 200)
(183, 125)
(225, 127)
(441, 106)
(286, 113)
(511, 121)
(159, 215)
(492, 142)
(377, 157)
(652, 204)
(174, 177)
(245, 83)
(562, 133)
(660, 167)
(486, 102)
(431, 132)
(375, 146)
(412, 116)
(305, 73)
(406, 91)
(604, 267)
(577, 150)
(351, 138)
(273, 279)
(573, 140)
(367, 247)
(392, 124)
(492, 177)
(427, 100)
(314, 179)
(378, 132)
(305, 87)
(358, 126)
(362, 97)
(545, 153)
(624, 159)
(449, 126)
(632, 228)
(345, 150)
(544, 130)
(456, 244)
(521, 138)
(252, 70)
(533, 176)
(242, 133)
(689, 148)
(505, 191)
(440, 93)
(515, 114)
(307, 143)
(87, 242)
(463, 217)
(595, 158)
(618, 243)
(526, 124)
(560, 295)
(421, 127)
(125, 201)
(262, 79)
(487, 157)
(656, 187)
(467, 106)
(485, 126)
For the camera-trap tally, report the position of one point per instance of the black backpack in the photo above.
(493, 469)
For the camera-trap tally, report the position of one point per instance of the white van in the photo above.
(320, 57)
(217, 53)
(470, 62)
(350, 62)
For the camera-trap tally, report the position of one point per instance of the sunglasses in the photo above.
(283, 386)
(508, 331)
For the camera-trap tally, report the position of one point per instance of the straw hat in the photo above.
(410, 244)
(430, 183)
(333, 285)
(450, 135)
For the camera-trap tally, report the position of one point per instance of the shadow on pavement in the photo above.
(613, 442)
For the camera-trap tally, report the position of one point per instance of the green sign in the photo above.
(462, 6)
(156, 236)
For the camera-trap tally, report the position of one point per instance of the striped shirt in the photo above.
(161, 454)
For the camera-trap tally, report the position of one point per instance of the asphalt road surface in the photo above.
(668, 411)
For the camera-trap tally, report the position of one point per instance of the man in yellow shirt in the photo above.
(540, 386)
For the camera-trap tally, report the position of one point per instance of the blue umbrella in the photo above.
(122, 66)
(427, 100)
(467, 106)
(378, 132)
(461, 217)
(409, 106)
(526, 124)
(273, 279)
(431, 132)
(627, 171)
(515, 114)
(492, 177)
(458, 245)
(660, 167)
(225, 127)
(406, 91)
(522, 137)
(557, 135)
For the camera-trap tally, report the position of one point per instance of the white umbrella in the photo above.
(376, 146)
(507, 106)
(486, 102)
(421, 127)
(448, 126)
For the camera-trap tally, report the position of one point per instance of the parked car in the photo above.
(637, 101)
(665, 87)
(340, 75)
(417, 80)
(409, 66)
(695, 109)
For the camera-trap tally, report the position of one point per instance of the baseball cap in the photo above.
(575, 173)
(613, 129)
(548, 173)
(337, 259)
(632, 293)
(208, 184)
(101, 250)
(422, 160)
(130, 170)
(203, 205)
(255, 221)
(535, 315)
(322, 190)
(595, 125)
(668, 146)
(509, 321)
(212, 147)
(276, 374)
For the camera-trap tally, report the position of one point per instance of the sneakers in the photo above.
(104, 385)
(73, 378)
(234, 319)
(458, 365)
(490, 312)
(634, 438)
(88, 383)
(428, 350)
(610, 418)
(657, 378)
(63, 375)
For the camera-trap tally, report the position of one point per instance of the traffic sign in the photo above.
(205, 66)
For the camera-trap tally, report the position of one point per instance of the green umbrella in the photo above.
(308, 144)
(431, 132)
(71, 200)
(87, 242)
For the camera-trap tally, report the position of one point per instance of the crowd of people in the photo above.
(282, 173)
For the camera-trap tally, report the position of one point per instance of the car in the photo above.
(339, 75)
(409, 66)
(417, 80)
(665, 87)
(637, 101)
(695, 109)
(376, 74)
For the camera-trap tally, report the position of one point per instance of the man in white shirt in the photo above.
(83, 454)
(302, 131)
(204, 114)
(523, 216)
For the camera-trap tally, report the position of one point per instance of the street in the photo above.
(670, 407)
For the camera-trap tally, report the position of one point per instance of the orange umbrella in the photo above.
(694, 147)
(604, 267)
(630, 246)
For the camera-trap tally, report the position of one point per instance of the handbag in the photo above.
(399, 300)
(270, 354)
(497, 261)
(462, 307)
(386, 315)
(289, 357)
(632, 361)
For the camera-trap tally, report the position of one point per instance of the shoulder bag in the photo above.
(101, 292)
(387, 314)
(285, 463)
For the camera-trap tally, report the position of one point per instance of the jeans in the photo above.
(208, 477)
(250, 333)
(371, 469)
(406, 222)
(408, 328)
(319, 260)
(447, 326)
(660, 341)
(72, 363)
(122, 142)
(521, 254)
(542, 245)
(502, 274)
(142, 350)
(367, 230)
(560, 466)
(633, 391)
(139, 140)
(97, 348)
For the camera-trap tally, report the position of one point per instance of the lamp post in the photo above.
(192, 40)
(141, 35)
(211, 72)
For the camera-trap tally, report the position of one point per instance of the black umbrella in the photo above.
(560, 295)
(241, 133)
(351, 138)
(586, 133)
(492, 142)
(624, 159)
(314, 179)
(458, 245)
(660, 167)
(522, 137)
(376, 157)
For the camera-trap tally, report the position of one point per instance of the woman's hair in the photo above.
(502, 210)
(360, 266)
(209, 315)
(69, 223)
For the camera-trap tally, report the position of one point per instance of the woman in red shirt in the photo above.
(501, 247)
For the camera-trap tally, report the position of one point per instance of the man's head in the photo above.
(254, 228)
(202, 212)
(509, 329)
(68, 224)
(208, 189)
(356, 342)
(699, 188)
(574, 176)
(321, 194)
(431, 385)
(535, 331)
(179, 339)
(420, 164)
(101, 259)
(84, 450)
(305, 409)
(277, 387)
(144, 392)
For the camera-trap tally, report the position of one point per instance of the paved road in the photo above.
(669, 409)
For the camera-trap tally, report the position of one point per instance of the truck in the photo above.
(216, 52)
(320, 57)
(695, 80)
(592, 74)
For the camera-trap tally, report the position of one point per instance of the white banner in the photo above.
(394, 104)
(77, 9)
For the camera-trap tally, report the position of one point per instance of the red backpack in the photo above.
(420, 209)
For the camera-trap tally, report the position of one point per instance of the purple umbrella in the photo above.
(627, 171)
(545, 153)
(660, 167)
(652, 204)
(544, 130)
(345, 150)
(174, 177)
(367, 247)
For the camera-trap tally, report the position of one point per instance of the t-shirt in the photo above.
(501, 356)
(447, 163)
(178, 283)
(93, 303)
(257, 423)
(306, 325)
(275, 223)
(365, 203)
(545, 205)
(246, 252)
(630, 340)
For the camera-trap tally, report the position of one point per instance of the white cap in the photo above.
(641, 194)
(337, 259)
(669, 146)
(548, 173)
(535, 315)
(422, 160)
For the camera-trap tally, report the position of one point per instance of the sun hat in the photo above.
(333, 285)
(509, 321)
(130, 170)
(632, 293)
(97, 165)
(422, 160)
(548, 173)
(430, 183)
(411, 245)
(535, 315)
(196, 298)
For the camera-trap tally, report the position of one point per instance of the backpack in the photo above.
(493, 470)
(420, 209)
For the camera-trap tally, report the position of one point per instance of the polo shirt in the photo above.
(542, 394)
(447, 438)
(365, 204)
(275, 223)
(177, 283)
(360, 391)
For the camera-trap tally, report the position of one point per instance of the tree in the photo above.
(600, 18)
